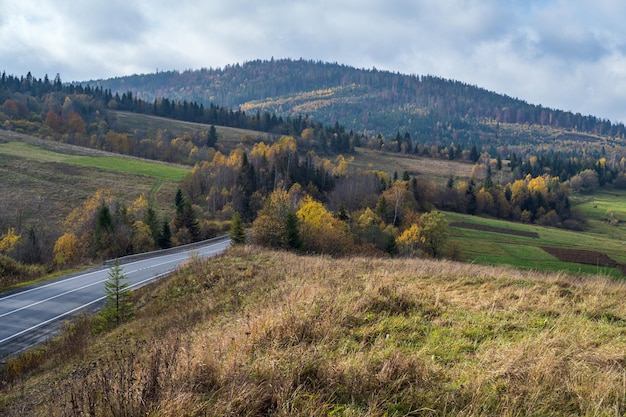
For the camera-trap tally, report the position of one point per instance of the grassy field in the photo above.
(229, 137)
(525, 252)
(109, 162)
(42, 181)
(438, 170)
(605, 210)
(256, 332)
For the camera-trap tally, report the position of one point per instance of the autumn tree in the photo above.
(142, 239)
(410, 241)
(66, 250)
(320, 231)
(81, 222)
(270, 227)
(8, 241)
(433, 231)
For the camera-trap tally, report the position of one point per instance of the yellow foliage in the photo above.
(368, 218)
(341, 165)
(66, 249)
(259, 150)
(410, 240)
(320, 231)
(142, 237)
(538, 186)
(519, 192)
(139, 207)
(86, 212)
(235, 159)
(8, 241)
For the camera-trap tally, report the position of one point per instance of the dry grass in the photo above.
(255, 332)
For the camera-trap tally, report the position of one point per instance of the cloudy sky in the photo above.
(566, 54)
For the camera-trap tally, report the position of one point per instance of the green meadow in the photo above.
(495, 248)
(109, 163)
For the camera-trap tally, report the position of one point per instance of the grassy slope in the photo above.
(43, 181)
(265, 333)
(229, 137)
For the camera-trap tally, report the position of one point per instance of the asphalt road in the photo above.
(32, 315)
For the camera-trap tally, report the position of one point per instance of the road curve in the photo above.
(33, 314)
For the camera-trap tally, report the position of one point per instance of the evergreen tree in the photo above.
(179, 200)
(293, 234)
(103, 234)
(237, 230)
(118, 305)
(474, 155)
(165, 236)
(150, 218)
(212, 137)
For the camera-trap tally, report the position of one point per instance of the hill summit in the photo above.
(364, 100)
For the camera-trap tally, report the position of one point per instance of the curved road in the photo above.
(33, 314)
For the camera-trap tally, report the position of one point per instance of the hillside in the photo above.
(256, 332)
(43, 181)
(430, 109)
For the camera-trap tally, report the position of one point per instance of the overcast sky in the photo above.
(566, 54)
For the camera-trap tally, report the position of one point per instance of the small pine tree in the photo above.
(212, 137)
(237, 230)
(118, 306)
(293, 234)
(165, 236)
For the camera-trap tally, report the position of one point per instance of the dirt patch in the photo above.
(494, 229)
(581, 256)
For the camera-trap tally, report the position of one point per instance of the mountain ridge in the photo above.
(370, 101)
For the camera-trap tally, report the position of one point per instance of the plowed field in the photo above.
(587, 257)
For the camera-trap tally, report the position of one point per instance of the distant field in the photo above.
(109, 163)
(525, 252)
(437, 170)
(42, 181)
(229, 137)
(606, 212)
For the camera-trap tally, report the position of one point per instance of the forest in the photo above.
(431, 109)
(295, 188)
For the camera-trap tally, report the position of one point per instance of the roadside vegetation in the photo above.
(258, 332)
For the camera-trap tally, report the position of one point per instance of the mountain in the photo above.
(364, 100)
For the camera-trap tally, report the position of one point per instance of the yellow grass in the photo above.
(256, 332)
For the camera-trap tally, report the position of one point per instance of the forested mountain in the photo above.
(369, 101)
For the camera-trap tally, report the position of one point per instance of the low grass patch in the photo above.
(256, 332)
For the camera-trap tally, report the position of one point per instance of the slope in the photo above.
(42, 181)
(256, 332)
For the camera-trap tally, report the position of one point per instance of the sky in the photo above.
(564, 54)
